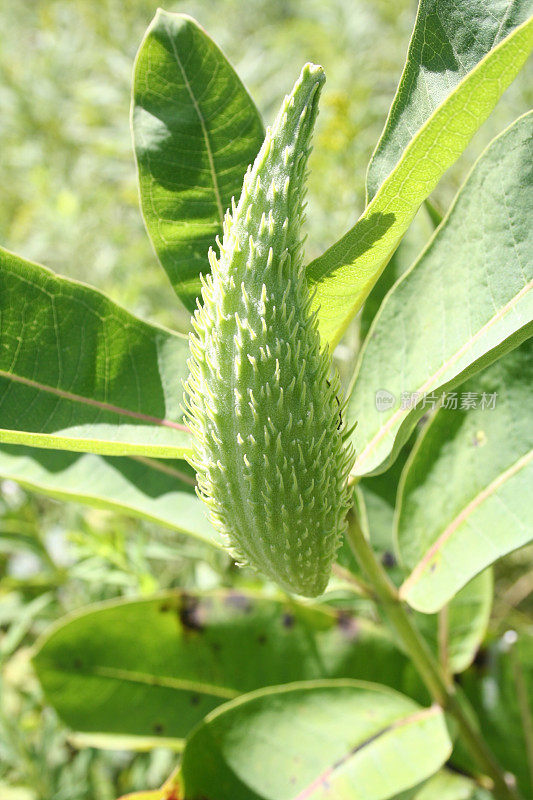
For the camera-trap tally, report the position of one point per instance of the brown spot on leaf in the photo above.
(191, 613)
(158, 727)
(288, 620)
(388, 560)
(348, 624)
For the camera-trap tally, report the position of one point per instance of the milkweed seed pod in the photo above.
(269, 448)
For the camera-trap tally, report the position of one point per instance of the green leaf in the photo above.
(466, 301)
(449, 40)
(500, 689)
(77, 372)
(314, 740)
(464, 502)
(196, 130)
(447, 785)
(455, 634)
(407, 251)
(344, 275)
(161, 491)
(156, 667)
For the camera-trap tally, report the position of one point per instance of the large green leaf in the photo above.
(465, 499)
(449, 40)
(500, 688)
(161, 491)
(195, 131)
(156, 667)
(77, 372)
(344, 275)
(314, 740)
(461, 305)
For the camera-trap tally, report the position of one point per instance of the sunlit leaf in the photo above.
(466, 301)
(314, 740)
(196, 130)
(448, 41)
(344, 275)
(77, 372)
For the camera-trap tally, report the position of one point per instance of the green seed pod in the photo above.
(269, 448)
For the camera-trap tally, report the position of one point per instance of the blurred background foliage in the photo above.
(69, 200)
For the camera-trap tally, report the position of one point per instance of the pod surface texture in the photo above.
(269, 446)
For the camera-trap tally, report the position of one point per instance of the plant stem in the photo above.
(441, 687)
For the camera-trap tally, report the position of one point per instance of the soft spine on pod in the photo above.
(269, 447)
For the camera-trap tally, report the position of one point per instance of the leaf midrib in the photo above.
(416, 716)
(201, 119)
(100, 404)
(146, 679)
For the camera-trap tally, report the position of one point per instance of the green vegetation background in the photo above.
(68, 199)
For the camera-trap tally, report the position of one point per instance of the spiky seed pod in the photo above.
(270, 458)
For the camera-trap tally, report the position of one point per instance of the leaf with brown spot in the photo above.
(156, 667)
